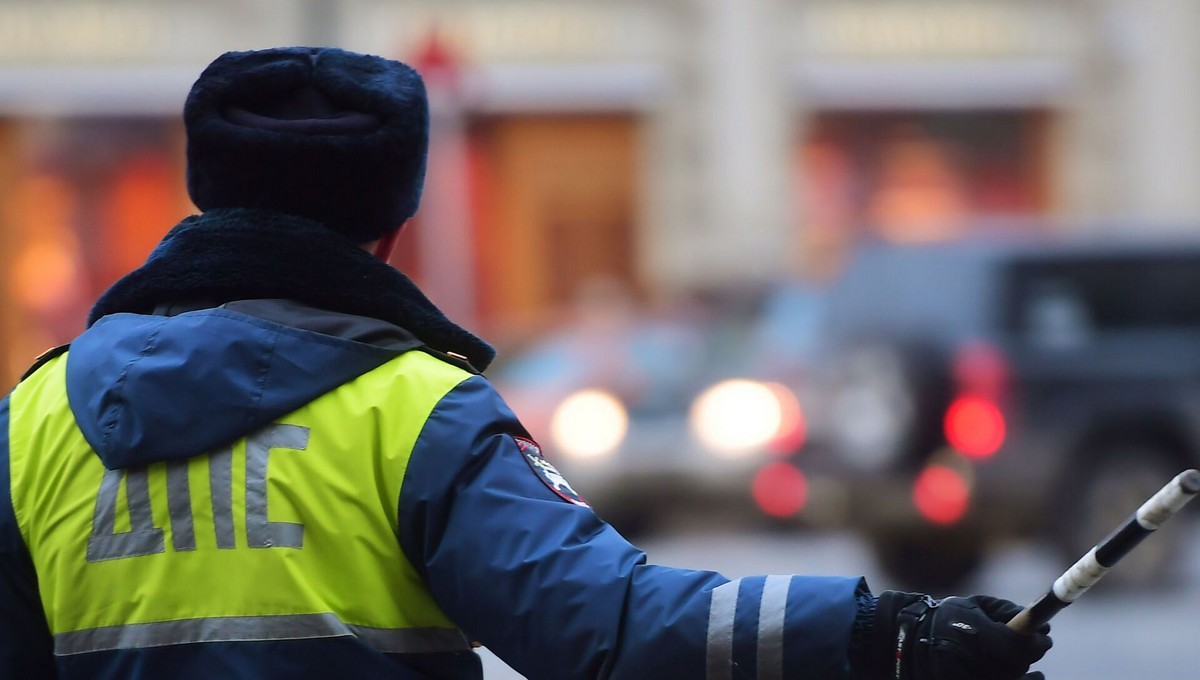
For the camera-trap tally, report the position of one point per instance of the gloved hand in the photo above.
(915, 637)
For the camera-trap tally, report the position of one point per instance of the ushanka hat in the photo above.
(323, 133)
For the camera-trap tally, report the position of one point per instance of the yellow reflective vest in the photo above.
(288, 533)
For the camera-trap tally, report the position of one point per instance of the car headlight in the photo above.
(589, 424)
(737, 417)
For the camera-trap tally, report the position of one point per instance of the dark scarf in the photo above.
(235, 254)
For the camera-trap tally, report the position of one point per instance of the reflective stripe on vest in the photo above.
(257, 628)
(288, 533)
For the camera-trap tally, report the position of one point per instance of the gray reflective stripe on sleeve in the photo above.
(719, 659)
(257, 628)
(143, 538)
(220, 480)
(772, 611)
(771, 615)
(179, 501)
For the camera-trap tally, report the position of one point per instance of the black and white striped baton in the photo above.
(1099, 560)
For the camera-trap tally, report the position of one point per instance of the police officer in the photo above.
(270, 456)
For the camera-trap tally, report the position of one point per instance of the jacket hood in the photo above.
(147, 388)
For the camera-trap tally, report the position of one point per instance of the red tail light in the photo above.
(974, 426)
(974, 423)
(780, 490)
(941, 495)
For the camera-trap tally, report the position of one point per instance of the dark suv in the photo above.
(971, 392)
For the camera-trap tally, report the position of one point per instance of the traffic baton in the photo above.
(1099, 560)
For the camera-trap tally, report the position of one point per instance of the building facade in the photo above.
(666, 145)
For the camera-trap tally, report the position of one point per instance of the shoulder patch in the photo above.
(550, 476)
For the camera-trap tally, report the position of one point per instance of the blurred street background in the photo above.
(905, 288)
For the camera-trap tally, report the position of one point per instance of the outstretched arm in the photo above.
(557, 593)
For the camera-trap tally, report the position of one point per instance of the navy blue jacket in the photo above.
(563, 596)
(541, 581)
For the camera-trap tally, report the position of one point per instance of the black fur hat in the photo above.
(323, 133)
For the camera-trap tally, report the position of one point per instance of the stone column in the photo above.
(719, 150)
(745, 140)
(1162, 108)
(1090, 182)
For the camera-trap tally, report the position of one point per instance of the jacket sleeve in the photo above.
(557, 593)
(26, 648)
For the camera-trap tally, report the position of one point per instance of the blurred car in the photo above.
(781, 349)
(651, 414)
(970, 392)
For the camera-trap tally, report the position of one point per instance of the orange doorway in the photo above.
(555, 209)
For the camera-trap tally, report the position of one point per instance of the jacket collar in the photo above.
(236, 254)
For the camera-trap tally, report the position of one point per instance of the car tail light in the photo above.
(941, 495)
(974, 423)
(974, 426)
(780, 490)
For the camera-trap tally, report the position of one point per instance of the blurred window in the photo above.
(650, 362)
(1056, 316)
(1106, 294)
(934, 289)
(790, 322)
(916, 176)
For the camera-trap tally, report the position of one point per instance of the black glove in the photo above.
(915, 637)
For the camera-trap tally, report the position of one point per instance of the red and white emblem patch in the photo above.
(546, 472)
